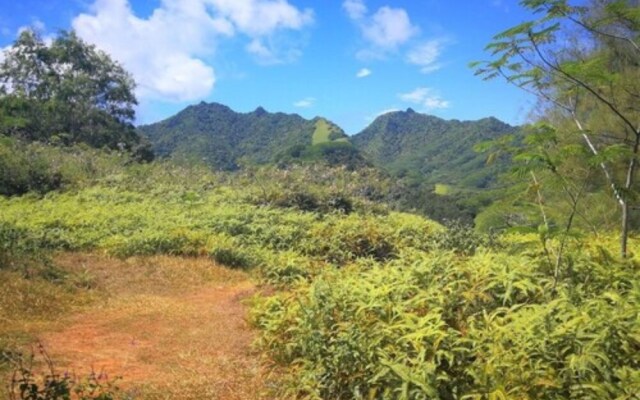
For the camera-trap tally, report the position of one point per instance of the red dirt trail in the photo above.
(190, 344)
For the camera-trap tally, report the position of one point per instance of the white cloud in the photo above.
(305, 103)
(364, 72)
(166, 52)
(389, 28)
(384, 31)
(356, 9)
(263, 54)
(261, 17)
(426, 55)
(426, 97)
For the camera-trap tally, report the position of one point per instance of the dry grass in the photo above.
(172, 327)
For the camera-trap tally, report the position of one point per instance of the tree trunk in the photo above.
(628, 186)
(624, 235)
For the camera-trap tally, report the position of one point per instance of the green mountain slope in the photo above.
(224, 139)
(431, 150)
(433, 159)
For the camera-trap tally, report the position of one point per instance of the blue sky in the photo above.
(346, 60)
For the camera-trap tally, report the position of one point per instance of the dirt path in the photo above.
(184, 343)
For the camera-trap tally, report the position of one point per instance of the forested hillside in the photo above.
(440, 174)
(225, 139)
(430, 150)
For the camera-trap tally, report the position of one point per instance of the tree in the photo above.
(583, 63)
(66, 92)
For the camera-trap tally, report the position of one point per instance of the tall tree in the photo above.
(583, 63)
(67, 91)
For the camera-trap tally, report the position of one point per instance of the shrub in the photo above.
(29, 384)
(461, 238)
(301, 200)
(340, 240)
(284, 269)
(434, 325)
(228, 251)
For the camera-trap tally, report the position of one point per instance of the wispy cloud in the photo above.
(356, 9)
(307, 102)
(167, 52)
(427, 55)
(389, 28)
(389, 31)
(383, 31)
(264, 54)
(363, 73)
(425, 97)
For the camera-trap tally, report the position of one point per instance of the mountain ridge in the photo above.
(409, 143)
(225, 139)
(420, 148)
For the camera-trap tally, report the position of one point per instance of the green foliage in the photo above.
(23, 171)
(583, 64)
(422, 150)
(462, 239)
(324, 132)
(335, 153)
(288, 268)
(368, 303)
(430, 149)
(425, 151)
(230, 252)
(224, 139)
(38, 168)
(67, 92)
(433, 325)
(349, 238)
(164, 209)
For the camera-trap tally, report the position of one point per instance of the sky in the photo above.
(346, 60)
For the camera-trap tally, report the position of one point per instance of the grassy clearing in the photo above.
(322, 132)
(442, 190)
(326, 132)
(172, 327)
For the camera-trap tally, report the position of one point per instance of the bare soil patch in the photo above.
(171, 327)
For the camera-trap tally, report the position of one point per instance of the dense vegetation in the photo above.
(65, 93)
(372, 303)
(226, 140)
(361, 301)
(589, 96)
(429, 150)
(421, 150)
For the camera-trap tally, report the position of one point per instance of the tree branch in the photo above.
(580, 83)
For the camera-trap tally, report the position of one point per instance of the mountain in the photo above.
(225, 139)
(438, 172)
(429, 150)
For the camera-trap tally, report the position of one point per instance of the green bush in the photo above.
(285, 269)
(40, 168)
(439, 326)
(340, 240)
(462, 239)
(22, 171)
